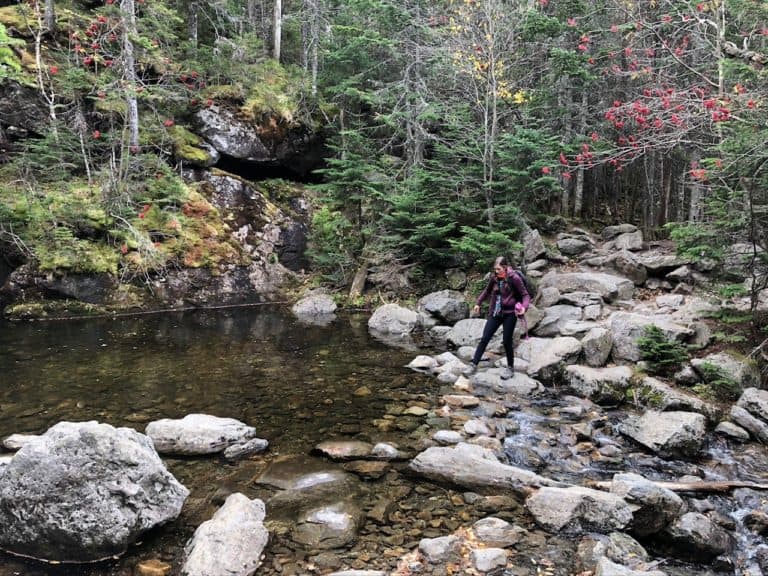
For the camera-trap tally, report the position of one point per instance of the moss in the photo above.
(16, 17)
(77, 255)
(275, 91)
(51, 309)
(186, 146)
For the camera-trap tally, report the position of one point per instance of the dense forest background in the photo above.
(449, 124)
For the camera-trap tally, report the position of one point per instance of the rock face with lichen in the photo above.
(83, 492)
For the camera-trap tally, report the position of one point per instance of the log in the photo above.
(712, 486)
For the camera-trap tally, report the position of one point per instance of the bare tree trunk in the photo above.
(128, 10)
(311, 32)
(694, 208)
(564, 97)
(578, 191)
(48, 95)
(192, 26)
(49, 18)
(277, 26)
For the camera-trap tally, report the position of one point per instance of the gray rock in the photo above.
(358, 573)
(732, 431)
(695, 538)
(627, 264)
(573, 246)
(755, 426)
(476, 427)
(625, 550)
(653, 507)
(681, 274)
(576, 510)
(627, 327)
(580, 299)
(197, 434)
(474, 467)
(669, 434)
(17, 441)
(671, 301)
(629, 241)
(230, 543)
(393, 319)
(744, 372)
(440, 550)
(314, 304)
(345, 449)
(609, 287)
(606, 567)
(447, 437)
(457, 278)
(84, 492)
(597, 345)
(497, 532)
(547, 357)
(328, 526)
(468, 333)
(446, 306)
(385, 451)
(659, 264)
(548, 296)
(422, 363)
(577, 328)
(661, 396)
(245, 449)
(533, 245)
(601, 385)
(686, 376)
(487, 559)
(519, 384)
(229, 135)
(555, 317)
(610, 232)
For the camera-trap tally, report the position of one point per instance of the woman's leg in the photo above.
(491, 325)
(509, 346)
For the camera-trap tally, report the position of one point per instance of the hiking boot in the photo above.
(470, 369)
(506, 374)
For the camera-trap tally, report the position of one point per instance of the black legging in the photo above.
(491, 325)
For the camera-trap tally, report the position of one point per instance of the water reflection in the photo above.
(290, 380)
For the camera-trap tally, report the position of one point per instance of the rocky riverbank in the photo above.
(580, 463)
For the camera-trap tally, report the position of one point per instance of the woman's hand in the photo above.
(476, 310)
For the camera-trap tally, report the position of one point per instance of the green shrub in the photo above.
(663, 355)
(717, 384)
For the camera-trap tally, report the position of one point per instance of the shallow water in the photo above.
(294, 382)
(299, 384)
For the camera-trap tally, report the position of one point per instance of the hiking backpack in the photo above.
(528, 284)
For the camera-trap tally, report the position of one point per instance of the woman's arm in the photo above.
(485, 293)
(520, 287)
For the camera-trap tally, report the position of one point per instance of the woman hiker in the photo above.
(508, 299)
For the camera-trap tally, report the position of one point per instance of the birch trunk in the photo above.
(128, 9)
(277, 29)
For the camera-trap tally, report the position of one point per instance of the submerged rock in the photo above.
(84, 492)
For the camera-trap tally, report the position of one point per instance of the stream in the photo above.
(299, 384)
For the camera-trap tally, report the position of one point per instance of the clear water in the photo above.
(294, 382)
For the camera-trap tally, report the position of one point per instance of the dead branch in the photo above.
(713, 486)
